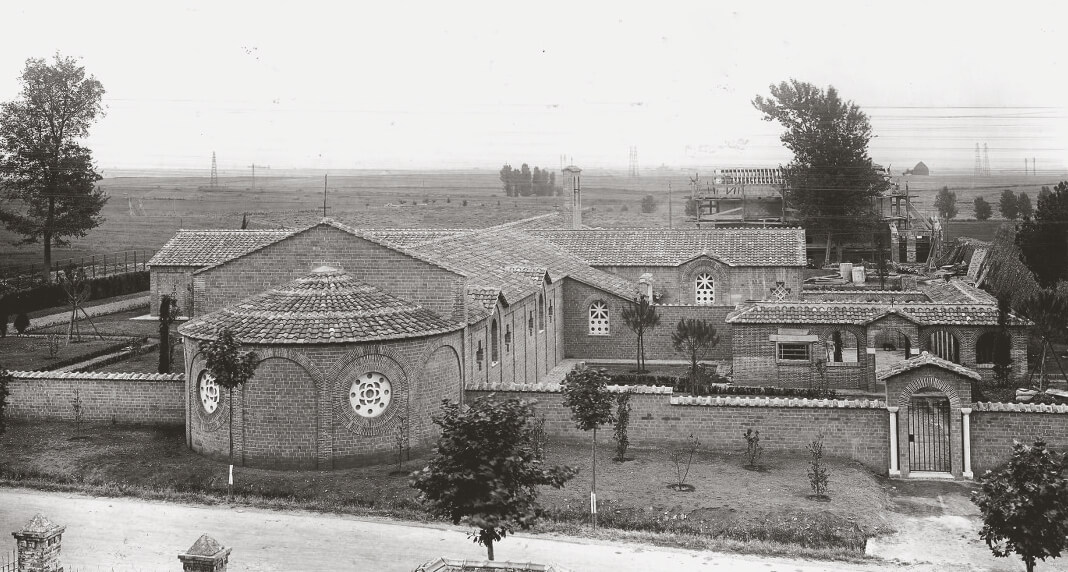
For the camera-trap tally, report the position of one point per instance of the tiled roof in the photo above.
(327, 306)
(739, 401)
(208, 247)
(481, 301)
(412, 236)
(927, 313)
(98, 375)
(926, 359)
(956, 292)
(1022, 407)
(662, 247)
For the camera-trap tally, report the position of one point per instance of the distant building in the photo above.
(920, 169)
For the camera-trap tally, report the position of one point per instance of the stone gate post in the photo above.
(37, 545)
(206, 555)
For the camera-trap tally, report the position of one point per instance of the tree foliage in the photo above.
(946, 203)
(1008, 205)
(1023, 206)
(1024, 504)
(831, 180)
(586, 394)
(641, 316)
(5, 383)
(230, 367)
(983, 210)
(486, 469)
(622, 425)
(648, 204)
(1048, 309)
(168, 312)
(695, 338)
(47, 176)
(1043, 240)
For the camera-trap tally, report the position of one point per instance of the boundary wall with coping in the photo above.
(127, 398)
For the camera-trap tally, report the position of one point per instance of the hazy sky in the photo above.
(460, 85)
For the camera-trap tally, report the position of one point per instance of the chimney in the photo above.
(572, 195)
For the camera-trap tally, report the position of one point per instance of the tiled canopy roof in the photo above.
(926, 359)
(208, 247)
(327, 306)
(956, 292)
(660, 247)
(928, 314)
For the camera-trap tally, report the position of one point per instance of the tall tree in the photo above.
(231, 369)
(506, 179)
(831, 180)
(486, 468)
(640, 317)
(1043, 240)
(982, 208)
(1023, 206)
(552, 184)
(694, 338)
(586, 394)
(5, 380)
(526, 180)
(1048, 309)
(1008, 206)
(46, 175)
(946, 203)
(1024, 504)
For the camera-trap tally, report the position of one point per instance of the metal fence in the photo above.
(94, 267)
(9, 562)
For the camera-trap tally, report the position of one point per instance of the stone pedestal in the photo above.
(37, 545)
(206, 555)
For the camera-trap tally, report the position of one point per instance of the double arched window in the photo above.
(599, 319)
(704, 289)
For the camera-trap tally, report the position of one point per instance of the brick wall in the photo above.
(733, 284)
(993, 431)
(392, 271)
(143, 399)
(621, 343)
(756, 362)
(859, 432)
(531, 353)
(171, 280)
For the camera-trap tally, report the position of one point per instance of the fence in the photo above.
(9, 562)
(94, 267)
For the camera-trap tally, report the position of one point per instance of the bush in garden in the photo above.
(621, 425)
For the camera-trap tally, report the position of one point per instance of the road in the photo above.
(123, 534)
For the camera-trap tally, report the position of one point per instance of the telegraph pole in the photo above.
(326, 177)
(670, 225)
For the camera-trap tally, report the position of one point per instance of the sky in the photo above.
(416, 85)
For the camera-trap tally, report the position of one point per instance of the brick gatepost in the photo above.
(37, 545)
(205, 555)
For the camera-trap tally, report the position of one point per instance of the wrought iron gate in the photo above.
(929, 434)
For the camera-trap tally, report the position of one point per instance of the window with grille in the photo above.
(792, 352)
(779, 292)
(599, 319)
(944, 345)
(705, 288)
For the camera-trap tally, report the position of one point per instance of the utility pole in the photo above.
(214, 184)
(326, 177)
(253, 166)
(670, 225)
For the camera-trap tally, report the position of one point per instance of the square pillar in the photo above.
(38, 544)
(910, 247)
(895, 468)
(967, 431)
(206, 555)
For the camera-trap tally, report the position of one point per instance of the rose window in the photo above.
(209, 392)
(370, 394)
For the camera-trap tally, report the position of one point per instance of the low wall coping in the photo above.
(555, 388)
(97, 375)
(1020, 407)
(736, 401)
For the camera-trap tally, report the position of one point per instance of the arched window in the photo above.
(705, 289)
(495, 346)
(944, 345)
(842, 347)
(541, 313)
(992, 348)
(599, 319)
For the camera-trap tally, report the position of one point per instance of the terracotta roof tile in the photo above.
(661, 247)
(926, 359)
(208, 247)
(924, 313)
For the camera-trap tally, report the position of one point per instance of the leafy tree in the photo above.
(586, 394)
(831, 181)
(552, 184)
(641, 316)
(47, 177)
(648, 204)
(622, 424)
(691, 207)
(486, 469)
(1042, 239)
(1044, 192)
(694, 338)
(508, 180)
(946, 203)
(1024, 504)
(168, 311)
(982, 208)
(5, 382)
(1023, 206)
(1008, 205)
(525, 182)
(231, 368)
(1049, 311)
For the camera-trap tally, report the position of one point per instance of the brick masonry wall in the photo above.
(621, 343)
(141, 399)
(994, 431)
(532, 351)
(860, 434)
(171, 280)
(755, 358)
(733, 284)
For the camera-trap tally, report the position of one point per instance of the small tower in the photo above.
(572, 196)
(206, 555)
(38, 545)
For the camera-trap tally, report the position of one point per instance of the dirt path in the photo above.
(123, 534)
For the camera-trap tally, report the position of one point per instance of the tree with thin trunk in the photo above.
(1024, 504)
(487, 468)
(641, 316)
(5, 382)
(982, 208)
(946, 203)
(695, 338)
(46, 175)
(586, 393)
(1008, 205)
(168, 311)
(831, 181)
(1049, 311)
(231, 368)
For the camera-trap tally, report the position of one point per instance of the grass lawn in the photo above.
(21, 353)
(731, 509)
(117, 325)
(147, 362)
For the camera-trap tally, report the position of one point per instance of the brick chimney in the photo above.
(37, 545)
(206, 555)
(572, 195)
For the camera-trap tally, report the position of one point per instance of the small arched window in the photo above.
(842, 347)
(599, 319)
(541, 313)
(495, 346)
(705, 289)
(507, 338)
(992, 348)
(480, 354)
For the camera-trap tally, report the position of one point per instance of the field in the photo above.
(144, 211)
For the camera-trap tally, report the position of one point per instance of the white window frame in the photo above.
(599, 311)
(709, 292)
(780, 346)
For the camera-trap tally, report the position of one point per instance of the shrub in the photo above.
(648, 204)
(5, 380)
(465, 202)
(22, 321)
(686, 452)
(753, 450)
(53, 346)
(817, 471)
(622, 423)
(624, 209)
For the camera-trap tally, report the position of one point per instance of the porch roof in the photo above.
(926, 359)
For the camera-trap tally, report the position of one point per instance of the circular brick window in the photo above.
(209, 392)
(370, 394)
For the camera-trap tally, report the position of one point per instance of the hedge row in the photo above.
(717, 385)
(110, 348)
(52, 295)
